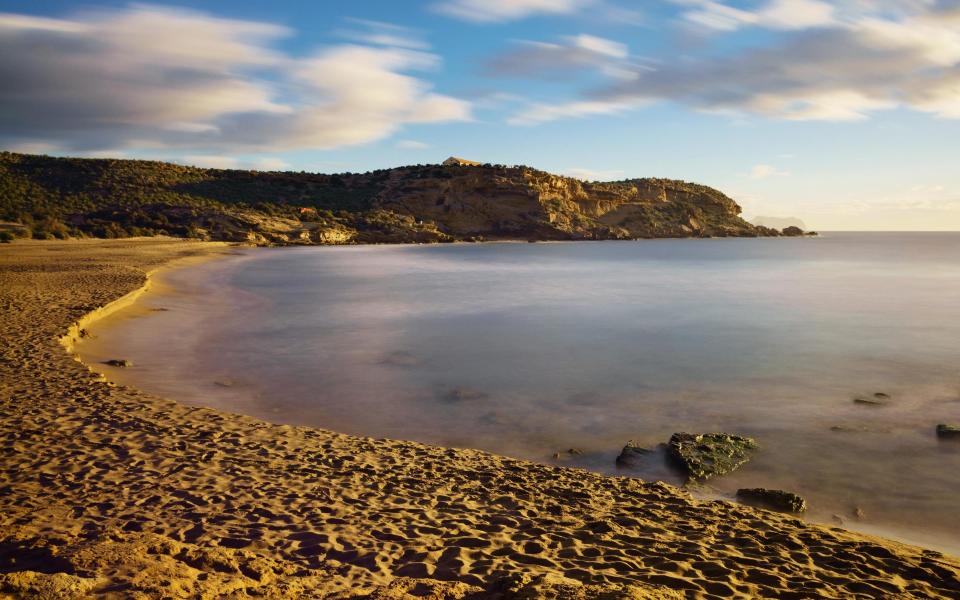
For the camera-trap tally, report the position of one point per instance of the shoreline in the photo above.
(236, 402)
(147, 494)
(128, 300)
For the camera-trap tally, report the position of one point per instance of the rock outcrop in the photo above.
(778, 222)
(633, 455)
(778, 500)
(708, 455)
(945, 431)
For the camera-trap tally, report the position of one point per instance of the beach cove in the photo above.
(110, 491)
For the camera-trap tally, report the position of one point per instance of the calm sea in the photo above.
(529, 350)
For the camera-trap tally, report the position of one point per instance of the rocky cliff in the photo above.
(59, 197)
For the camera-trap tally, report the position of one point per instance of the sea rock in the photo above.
(791, 231)
(710, 454)
(945, 431)
(778, 500)
(119, 362)
(874, 401)
(632, 454)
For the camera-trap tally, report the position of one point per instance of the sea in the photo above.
(838, 354)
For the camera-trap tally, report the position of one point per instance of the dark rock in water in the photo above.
(710, 454)
(119, 362)
(845, 428)
(575, 451)
(632, 455)
(791, 231)
(869, 401)
(881, 396)
(773, 499)
(651, 463)
(945, 431)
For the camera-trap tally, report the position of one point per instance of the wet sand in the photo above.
(107, 491)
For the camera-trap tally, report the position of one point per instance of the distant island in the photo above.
(459, 200)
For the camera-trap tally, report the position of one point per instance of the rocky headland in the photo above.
(45, 197)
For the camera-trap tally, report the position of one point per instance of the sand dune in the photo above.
(107, 491)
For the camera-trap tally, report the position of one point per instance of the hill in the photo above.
(67, 197)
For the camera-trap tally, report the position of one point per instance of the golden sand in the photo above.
(107, 491)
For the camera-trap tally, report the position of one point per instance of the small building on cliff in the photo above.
(454, 160)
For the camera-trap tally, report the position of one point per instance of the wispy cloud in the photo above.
(840, 71)
(411, 145)
(379, 33)
(537, 113)
(154, 77)
(493, 11)
(766, 171)
(774, 14)
(559, 59)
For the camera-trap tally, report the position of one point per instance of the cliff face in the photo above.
(521, 202)
(433, 203)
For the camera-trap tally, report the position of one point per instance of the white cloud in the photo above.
(152, 77)
(491, 11)
(715, 15)
(599, 45)
(379, 33)
(796, 14)
(537, 113)
(774, 14)
(558, 60)
(411, 145)
(764, 171)
(845, 72)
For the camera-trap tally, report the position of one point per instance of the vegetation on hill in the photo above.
(47, 197)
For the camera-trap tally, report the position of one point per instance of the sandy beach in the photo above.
(110, 492)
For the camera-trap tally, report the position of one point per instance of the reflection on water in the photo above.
(532, 349)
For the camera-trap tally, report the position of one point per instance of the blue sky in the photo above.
(844, 114)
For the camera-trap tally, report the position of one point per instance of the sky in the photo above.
(843, 114)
